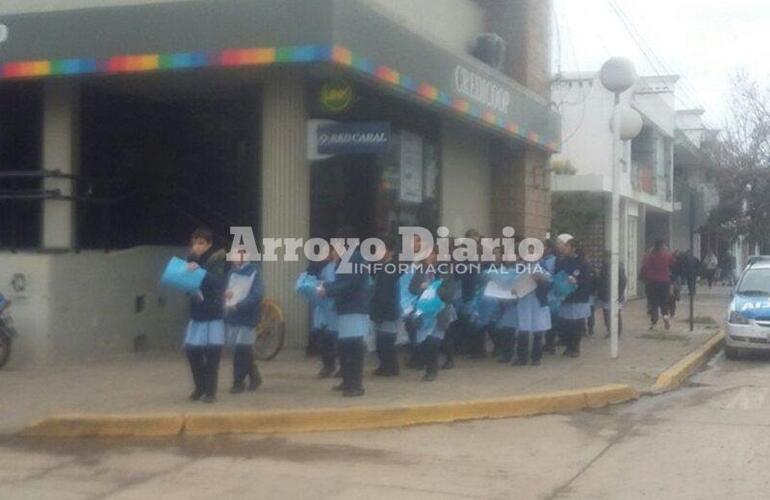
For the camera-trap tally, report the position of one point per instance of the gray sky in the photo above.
(705, 41)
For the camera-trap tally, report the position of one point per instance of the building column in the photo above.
(520, 194)
(285, 191)
(61, 151)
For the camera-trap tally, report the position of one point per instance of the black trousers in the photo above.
(477, 339)
(328, 341)
(352, 362)
(592, 321)
(243, 364)
(411, 326)
(386, 352)
(451, 339)
(606, 316)
(550, 335)
(522, 346)
(204, 365)
(657, 300)
(429, 352)
(572, 331)
(507, 339)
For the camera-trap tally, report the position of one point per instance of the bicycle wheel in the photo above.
(271, 331)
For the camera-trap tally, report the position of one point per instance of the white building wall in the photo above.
(586, 110)
(452, 23)
(466, 180)
(78, 306)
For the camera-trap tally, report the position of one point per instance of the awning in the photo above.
(241, 33)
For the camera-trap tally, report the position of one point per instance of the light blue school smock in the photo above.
(324, 311)
(240, 334)
(572, 311)
(509, 318)
(448, 316)
(203, 333)
(533, 317)
(350, 326)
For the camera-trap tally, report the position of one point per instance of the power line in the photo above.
(650, 54)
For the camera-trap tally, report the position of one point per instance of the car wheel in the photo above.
(731, 352)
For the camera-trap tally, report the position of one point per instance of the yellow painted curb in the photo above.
(343, 419)
(76, 426)
(678, 373)
(331, 419)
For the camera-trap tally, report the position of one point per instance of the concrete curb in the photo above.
(360, 418)
(673, 377)
(332, 419)
(111, 426)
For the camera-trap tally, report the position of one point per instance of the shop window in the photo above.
(156, 168)
(20, 139)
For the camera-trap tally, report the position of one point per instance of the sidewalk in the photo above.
(159, 382)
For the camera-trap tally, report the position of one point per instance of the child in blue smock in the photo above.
(507, 323)
(205, 334)
(243, 301)
(352, 294)
(534, 318)
(325, 319)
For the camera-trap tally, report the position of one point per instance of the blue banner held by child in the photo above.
(178, 276)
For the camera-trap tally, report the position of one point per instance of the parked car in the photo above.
(748, 317)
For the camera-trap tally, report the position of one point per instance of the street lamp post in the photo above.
(618, 75)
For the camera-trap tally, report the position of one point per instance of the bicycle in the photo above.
(271, 331)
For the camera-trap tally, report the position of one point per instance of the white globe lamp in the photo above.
(618, 75)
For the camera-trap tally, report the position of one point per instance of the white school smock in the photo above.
(532, 316)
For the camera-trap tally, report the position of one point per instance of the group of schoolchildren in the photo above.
(438, 312)
(443, 312)
(218, 315)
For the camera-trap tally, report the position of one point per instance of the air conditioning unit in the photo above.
(490, 49)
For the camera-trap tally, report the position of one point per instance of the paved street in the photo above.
(708, 440)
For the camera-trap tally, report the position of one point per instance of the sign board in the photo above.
(411, 168)
(336, 96)
(353, 138)
(327, 138)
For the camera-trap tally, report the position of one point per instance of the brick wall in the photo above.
(520, 195)
(525, 25)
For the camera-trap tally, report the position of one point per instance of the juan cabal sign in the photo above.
(353, 138)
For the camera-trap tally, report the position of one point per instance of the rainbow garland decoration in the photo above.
(335, 54)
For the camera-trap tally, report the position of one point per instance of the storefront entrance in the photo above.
(375, 194)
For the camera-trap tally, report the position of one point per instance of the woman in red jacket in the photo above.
(656, 273)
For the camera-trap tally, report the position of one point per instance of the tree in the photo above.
(742, 166)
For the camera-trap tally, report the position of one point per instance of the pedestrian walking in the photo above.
(352, 294)
(656, 273)
(243, 301)
(710, 266)
(385, 311)
(603, 292)
(576, 308)
(205, 334)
